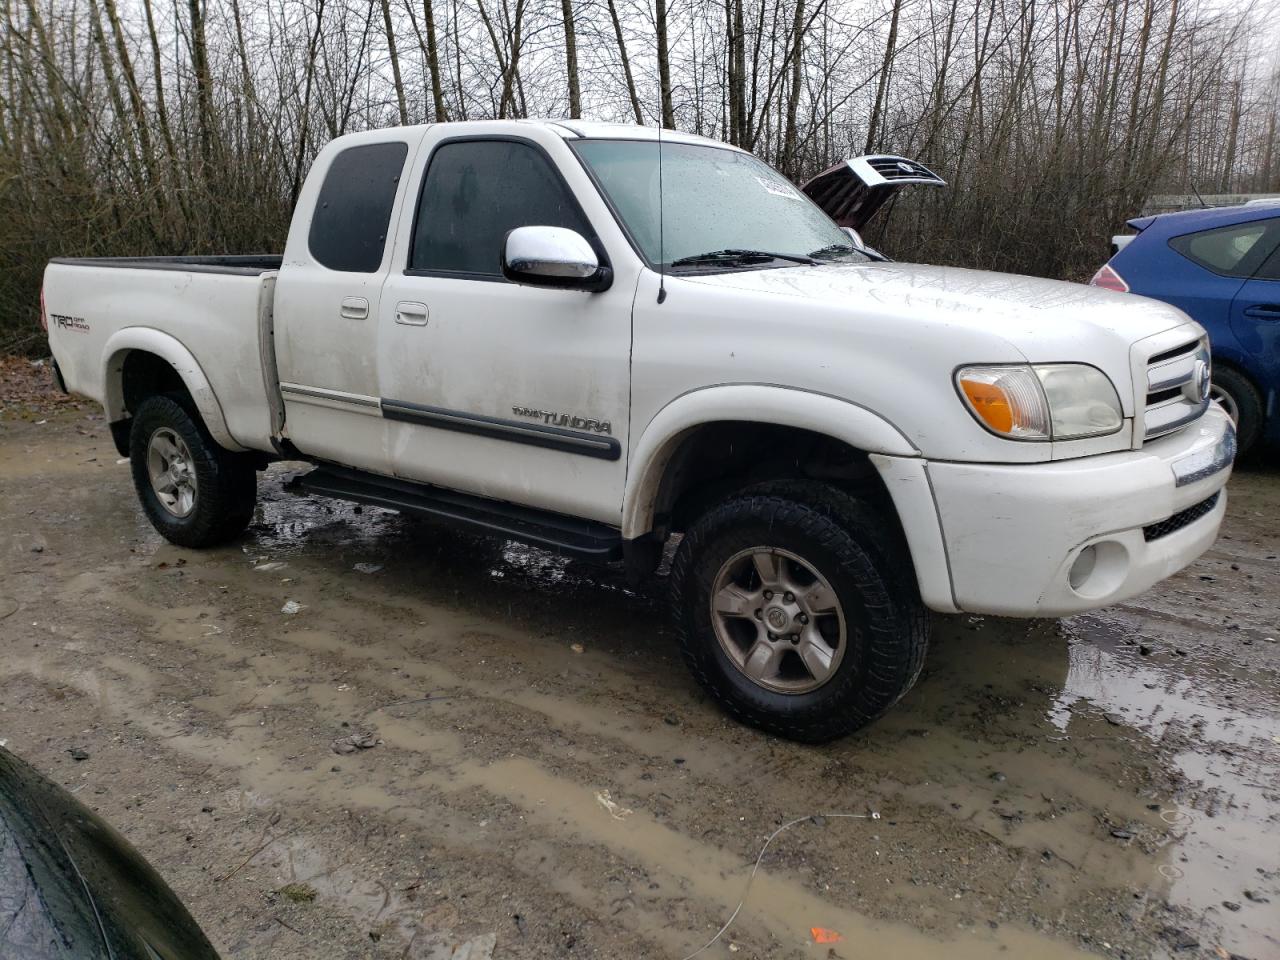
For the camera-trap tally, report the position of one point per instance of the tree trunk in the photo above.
(137, 107)
(789, 137)
(626, 62)
(886, 65)
(433, 62)
(1233, 134)
(162, 113)
(204, 82)
(395, 62)
(571, 58)
(499, 56)
(736, 62)
(304, 115)
(113, 94)
(664, 66)
(246, 82)
(430, 53)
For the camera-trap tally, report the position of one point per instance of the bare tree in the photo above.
(571, 59)
(431, 54)
(394, 56)
(189, 126)
(664, 64)
(632, 96)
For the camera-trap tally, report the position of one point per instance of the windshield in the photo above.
(717, 201)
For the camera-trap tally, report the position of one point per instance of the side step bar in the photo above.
(583, 539)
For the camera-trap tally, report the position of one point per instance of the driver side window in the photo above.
(474, 193)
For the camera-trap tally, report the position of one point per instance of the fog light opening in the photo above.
(1083, 568)
(1099, 570)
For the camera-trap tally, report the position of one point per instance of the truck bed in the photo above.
(207, 317)
(250, 265)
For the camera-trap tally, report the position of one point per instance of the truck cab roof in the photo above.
(567, 129)
(603, 130)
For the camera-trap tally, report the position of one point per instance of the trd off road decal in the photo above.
(63, 322)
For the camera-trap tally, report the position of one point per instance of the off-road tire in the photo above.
(862, 555)
(226, 482)
(1248, 406)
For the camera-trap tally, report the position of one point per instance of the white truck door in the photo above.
(511, 392)
(327, 295)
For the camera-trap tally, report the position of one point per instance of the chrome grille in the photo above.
(900, 168)
(1177, 388)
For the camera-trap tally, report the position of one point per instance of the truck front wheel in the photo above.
(797, 610)
(195, 493)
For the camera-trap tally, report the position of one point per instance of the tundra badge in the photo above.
(569, 420)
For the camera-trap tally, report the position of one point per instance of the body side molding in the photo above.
(327, 397)
(555, 438)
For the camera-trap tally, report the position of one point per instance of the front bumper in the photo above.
(1051, 539)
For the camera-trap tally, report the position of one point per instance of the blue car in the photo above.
(1221, 266)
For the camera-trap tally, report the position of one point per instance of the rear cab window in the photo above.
(1237, 250)
(353, 211)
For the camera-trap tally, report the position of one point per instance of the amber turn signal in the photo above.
(1007, 400)
(990, 403)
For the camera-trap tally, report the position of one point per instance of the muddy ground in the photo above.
(547, 781)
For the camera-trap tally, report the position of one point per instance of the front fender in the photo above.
(170, 349)
(753, 403)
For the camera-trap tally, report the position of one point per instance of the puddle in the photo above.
(1223, 828)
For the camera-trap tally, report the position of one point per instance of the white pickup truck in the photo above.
(576, 335)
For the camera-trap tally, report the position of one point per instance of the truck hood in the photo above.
(1038, 317)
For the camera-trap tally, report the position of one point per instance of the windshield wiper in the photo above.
(732, 255)
(833, 250)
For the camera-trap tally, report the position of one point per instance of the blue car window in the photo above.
(1233, 251)
(1271, 269)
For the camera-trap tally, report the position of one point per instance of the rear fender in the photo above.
(171, 350)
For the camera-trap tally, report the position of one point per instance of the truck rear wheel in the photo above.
(195, 493)
(797, 610)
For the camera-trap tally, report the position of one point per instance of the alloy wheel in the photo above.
(778, 620)
(172, 472)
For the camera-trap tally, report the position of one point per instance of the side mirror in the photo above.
(553, 257)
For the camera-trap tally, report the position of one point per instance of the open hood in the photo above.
(852, 191)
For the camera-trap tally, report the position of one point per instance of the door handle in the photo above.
(1263, 311)
(411, 314)
(354, 308)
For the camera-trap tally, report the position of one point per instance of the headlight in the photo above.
(1051, 401)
